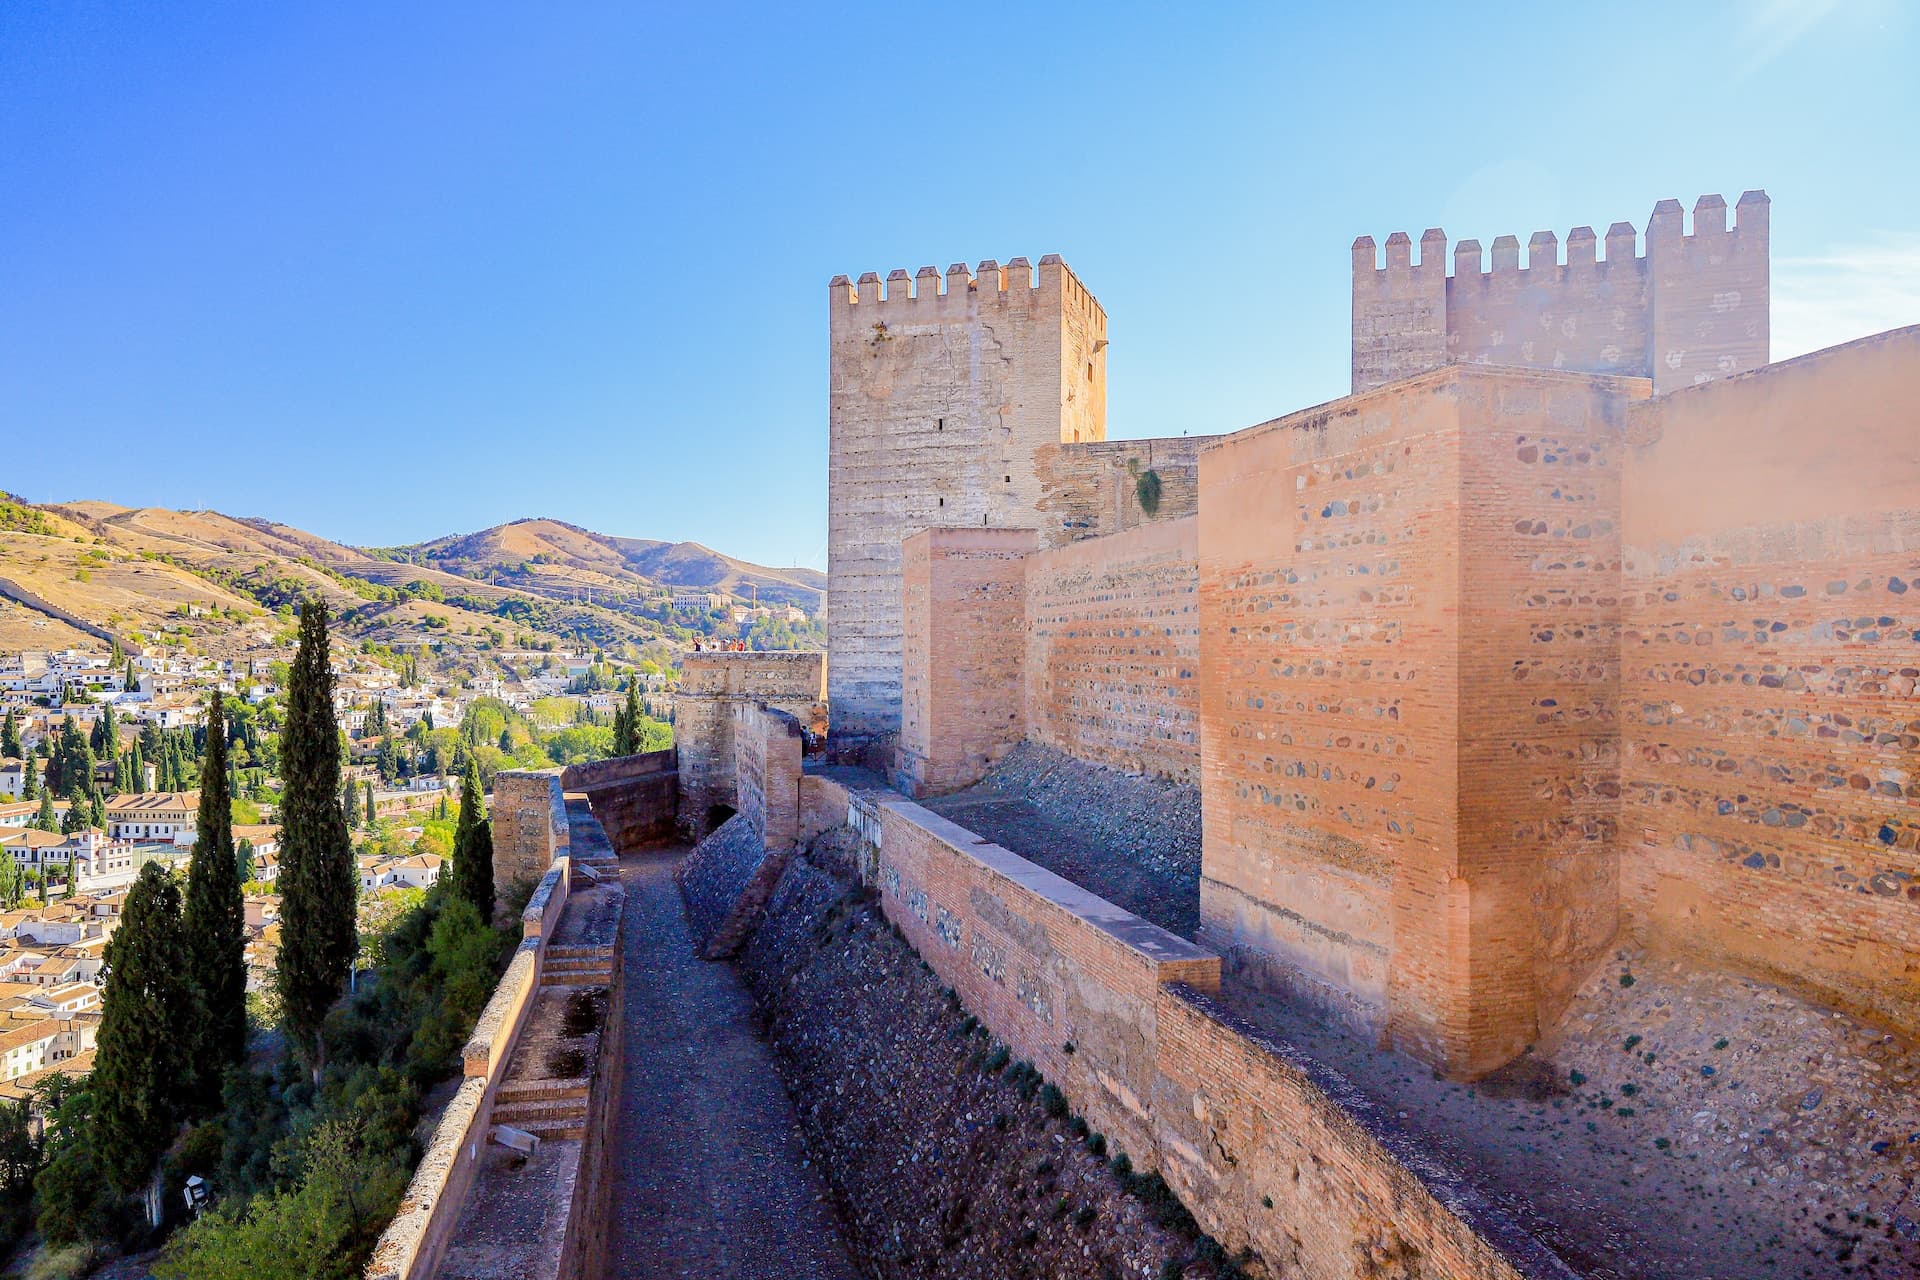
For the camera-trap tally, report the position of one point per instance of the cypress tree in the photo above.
(10, 745)
(216, 926)
(370, 804)
(145, 1014)
(350, 804)
(29, 778)
(45, 819)
(473, 846)
(318, 888)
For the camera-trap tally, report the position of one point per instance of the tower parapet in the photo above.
(1695, 307)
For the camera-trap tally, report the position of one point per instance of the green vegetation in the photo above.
(318, 887)
(473, 848)
(17, 517)
(215, 920)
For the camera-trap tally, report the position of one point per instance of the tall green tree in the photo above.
(10, 745)
(216, 926)
(13, 880)
(370, 804)
(145, 1016)
(473, 846)
(45, 819)
(350, 803)
(627, 721)
(29, 778)
(318, 888)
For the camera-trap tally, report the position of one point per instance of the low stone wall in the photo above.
(413, 1243)
(636, 798)
(1268, 1149)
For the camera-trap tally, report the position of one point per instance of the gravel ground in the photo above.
(1133, 840)
(1686, 1124)
(711, 1178)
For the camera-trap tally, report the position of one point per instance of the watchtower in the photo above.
(943, 388)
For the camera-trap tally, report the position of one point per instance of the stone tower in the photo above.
(942, 392)
(1693, 309)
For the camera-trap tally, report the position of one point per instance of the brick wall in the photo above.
(961, 690)
(1404, 816)
(529, 818)
(766, 771)
(713, 686)
(1092, 490)
(1695, 307)
(1113, 649)
(1771, 653)
(1268, 1149)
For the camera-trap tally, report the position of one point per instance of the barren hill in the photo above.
(216, 581)
(553, 557)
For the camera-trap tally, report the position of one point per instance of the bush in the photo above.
(1053, 1102)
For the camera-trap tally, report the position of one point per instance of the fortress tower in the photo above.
(943, 391)
(1693, 309)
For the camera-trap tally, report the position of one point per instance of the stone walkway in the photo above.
(711, 1178)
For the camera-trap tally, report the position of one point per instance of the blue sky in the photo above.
(391, 271)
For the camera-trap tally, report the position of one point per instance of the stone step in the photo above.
(571, 1130)
(597, 978)
(522, 1115)
(518, 1091)
(578, 961)
(576, 950)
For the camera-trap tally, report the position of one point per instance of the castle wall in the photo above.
(766, 771)
(1770, 664)
(1406, 816)
(1112, 657)
(529, 818)
(1093, 490)
(1695, 307)
(962, 693)
(940, 399)
(1268, 1149)
(713, 688)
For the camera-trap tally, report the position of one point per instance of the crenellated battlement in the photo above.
(1666, 314)
(990, 283)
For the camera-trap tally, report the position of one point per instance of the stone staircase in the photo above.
(577, 966)
(549, 1109)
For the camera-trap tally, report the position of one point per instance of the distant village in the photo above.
(75, 844)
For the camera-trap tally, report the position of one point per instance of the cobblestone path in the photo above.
(711, 1178)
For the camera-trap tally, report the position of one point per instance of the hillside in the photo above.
(555, 558)
(221, 584)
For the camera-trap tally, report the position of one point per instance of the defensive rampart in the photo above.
(529, 814)
(636, 798)
(1695, 307)
(1771, 658)
(1269, 1150)
(1112, 660)
(713, 688)
(412, 1246)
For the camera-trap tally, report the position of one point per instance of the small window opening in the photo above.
(939, 424)
(943, 502)
(1009, 479)
(1089, 371)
